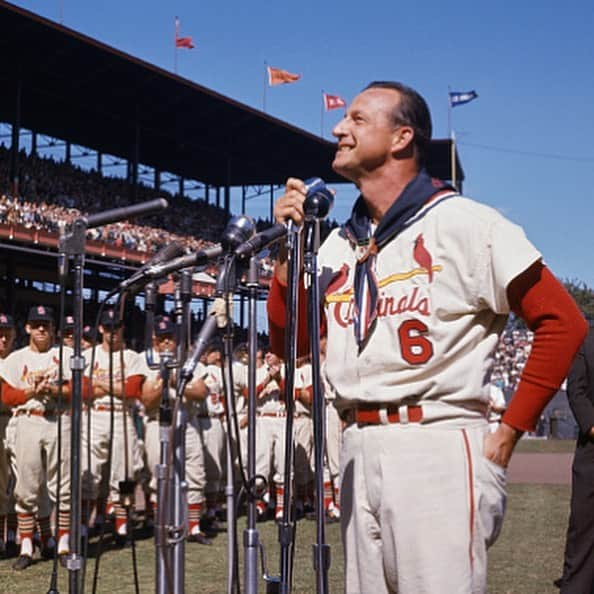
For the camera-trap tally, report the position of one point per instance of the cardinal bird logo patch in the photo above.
(422, 256)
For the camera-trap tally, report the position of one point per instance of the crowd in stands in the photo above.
(51, 191)
(510, 357)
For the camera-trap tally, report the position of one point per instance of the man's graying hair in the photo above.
(412, 111)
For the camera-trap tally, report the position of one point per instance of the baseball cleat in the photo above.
(22, 562)
(200, 538)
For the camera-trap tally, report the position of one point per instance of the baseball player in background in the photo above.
(31, 386)
(333, 445)
(164, 342)
(125, 455)
(270, 428)
(303, 432)
(417, 286)
(8, 546)
(208, 422)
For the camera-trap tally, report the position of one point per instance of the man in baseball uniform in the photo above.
(209, 423)
(31, 387)
(417, 287)
(333, 445)
(196, 391)
(8, 545)
(107, 395)
(270, 428)
(303, 432)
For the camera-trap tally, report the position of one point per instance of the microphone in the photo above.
(239, 229)
(187, 261)
(217, 317)
(121, 214)
(261, 240)
(318, 202)
(170, 251)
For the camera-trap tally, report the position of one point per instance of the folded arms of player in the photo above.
(43, 389)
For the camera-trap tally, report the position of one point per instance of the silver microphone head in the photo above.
(319, 199)
(239, 229)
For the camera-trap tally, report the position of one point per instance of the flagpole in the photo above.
(322, 116)
(175, 47)
(449, 111)
(265, 85)
(453, 158)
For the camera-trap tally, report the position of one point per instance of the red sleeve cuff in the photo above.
(559, 330)
(133, 387)
(12, 396)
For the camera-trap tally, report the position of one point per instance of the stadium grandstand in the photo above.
(86, 99)
(82, 93)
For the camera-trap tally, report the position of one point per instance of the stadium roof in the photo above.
(78, 89)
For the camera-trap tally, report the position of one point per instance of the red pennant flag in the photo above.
(277, 76)
(182, 41)
(333, 102)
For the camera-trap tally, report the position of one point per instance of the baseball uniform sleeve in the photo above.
(559, 330)
(276, 307)
(508, 254)
(12, 396)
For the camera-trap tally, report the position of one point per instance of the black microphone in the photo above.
(318, 202)
(165, 254)
(127, 212)
(204, 336)
(261, 240)
(240, 228)
(188, 261)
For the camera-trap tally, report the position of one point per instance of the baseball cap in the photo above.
(6, 321)
(40, 313)
(68, 323)
(88, 333)
(109, 319)
(164, 325)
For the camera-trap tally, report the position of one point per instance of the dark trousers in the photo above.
(578, 567)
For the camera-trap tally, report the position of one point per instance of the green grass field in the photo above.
(525, 560)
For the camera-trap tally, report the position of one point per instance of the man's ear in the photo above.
(402, 140)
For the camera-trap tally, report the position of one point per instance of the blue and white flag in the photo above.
(460, 98)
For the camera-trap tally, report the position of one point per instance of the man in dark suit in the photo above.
(578, 566)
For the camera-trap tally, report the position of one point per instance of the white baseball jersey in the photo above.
(23, 367)
(441, 307)
(303, 380)
(212, 405)
(154, 374)
(132, 366)
(269, 400)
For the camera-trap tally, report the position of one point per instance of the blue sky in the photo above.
(525, 143)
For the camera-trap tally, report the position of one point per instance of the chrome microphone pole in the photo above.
(251, 537)
(321, 551)
(286, 528)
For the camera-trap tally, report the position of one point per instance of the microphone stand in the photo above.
(251, 537)
(321, 551)
(286, 529)
(183, 297)
(72, 246)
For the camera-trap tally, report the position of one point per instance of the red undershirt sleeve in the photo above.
(559, 329)
(133, 387)
(276, 307)
(12, 396)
